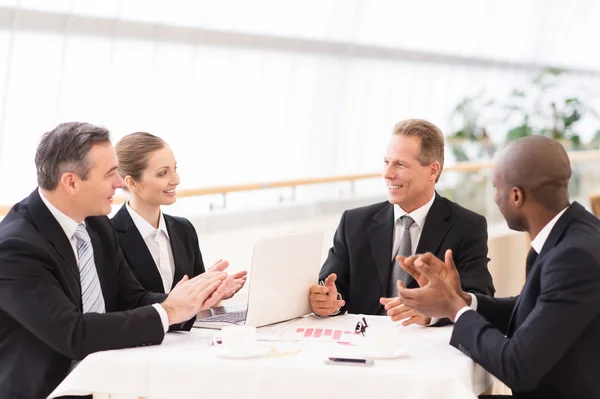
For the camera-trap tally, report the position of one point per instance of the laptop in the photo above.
(282, 272)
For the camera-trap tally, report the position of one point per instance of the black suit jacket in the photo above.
(184, 244)
(42, 326)
(361, 255)
(552, 328)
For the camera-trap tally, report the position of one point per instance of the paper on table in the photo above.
(329, 329)
(314, 334)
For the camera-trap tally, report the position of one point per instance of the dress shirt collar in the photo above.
(68, 225)
(142, 224)
(538, 242)
(418, 215)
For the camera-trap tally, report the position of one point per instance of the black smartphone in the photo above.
(349, 361)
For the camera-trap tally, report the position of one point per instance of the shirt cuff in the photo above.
(460, 312)
(474, 302)
(467, 308)
(164, 319)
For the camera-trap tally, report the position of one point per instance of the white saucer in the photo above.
(253, 352)
(388, 355)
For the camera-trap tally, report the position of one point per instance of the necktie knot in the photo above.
(81, 233)
(531, 257)
(407, 221)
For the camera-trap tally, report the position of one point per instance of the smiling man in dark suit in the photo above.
(542, 343)
(360, 274)
(65, 288)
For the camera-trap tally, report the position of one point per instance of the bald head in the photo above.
(538, 165)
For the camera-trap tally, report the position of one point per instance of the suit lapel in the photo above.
(559, 228)
(136, 251)
(49, 227)
(555, 235)
(435, 228)
(183, 264)
(380, 234)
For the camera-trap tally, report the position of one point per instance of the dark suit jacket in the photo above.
(361, 255)
(42, 326)
(552, 327)
(184, 244)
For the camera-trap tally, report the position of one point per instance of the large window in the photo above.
(249, 91)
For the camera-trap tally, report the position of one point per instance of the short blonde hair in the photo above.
(432, 140)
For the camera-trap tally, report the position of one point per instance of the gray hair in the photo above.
(65, 149)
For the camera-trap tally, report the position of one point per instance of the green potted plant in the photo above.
(467, 114)
(551, 114)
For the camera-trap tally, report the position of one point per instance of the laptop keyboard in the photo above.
(232, 317)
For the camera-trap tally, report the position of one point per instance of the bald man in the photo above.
(544, 342)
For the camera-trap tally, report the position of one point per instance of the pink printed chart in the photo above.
(324, 334)
(313, 334)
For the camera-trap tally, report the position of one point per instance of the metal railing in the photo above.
(461, 167)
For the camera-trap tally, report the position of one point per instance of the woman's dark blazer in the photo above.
(184, 244)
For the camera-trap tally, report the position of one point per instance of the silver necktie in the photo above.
(91, 292)
(404, 249)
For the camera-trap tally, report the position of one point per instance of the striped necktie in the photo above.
(404, 249)
(91, 292)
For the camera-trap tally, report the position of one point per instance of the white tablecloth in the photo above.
(185, 366)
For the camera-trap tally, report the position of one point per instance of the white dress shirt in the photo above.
(537, 244)
(69, 226)
(159, 245)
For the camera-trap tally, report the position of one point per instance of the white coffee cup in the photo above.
(238, 339)
(382, 341)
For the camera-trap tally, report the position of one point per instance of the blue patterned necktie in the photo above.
(404, 249)
(91, 292)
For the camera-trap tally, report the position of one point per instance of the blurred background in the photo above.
(279, 111)
(300, 95)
